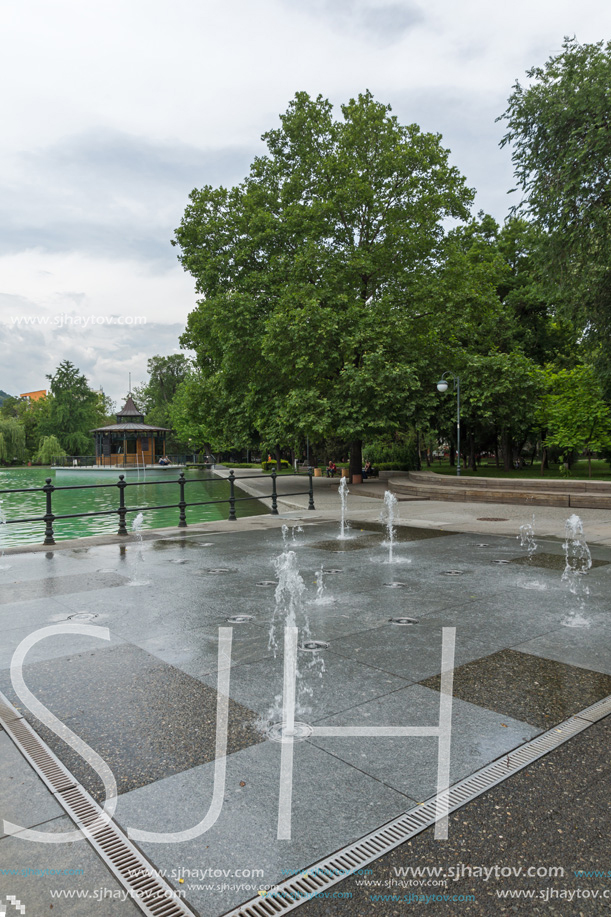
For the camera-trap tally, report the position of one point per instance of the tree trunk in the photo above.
(356, 460)
(496, 449)
(544, 464)
(472, 465)
(452, 455)
(507, 453)
(278, 460)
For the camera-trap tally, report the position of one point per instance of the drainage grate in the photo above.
(219, 570)
(396, 585)
(405, 622)
(82, 616)
(311, 646)
(492, 519)
(240, 619)
(453, 572)
(319, 876)
(267, 582)
(153, 895)
(501, 561)
(333, 570)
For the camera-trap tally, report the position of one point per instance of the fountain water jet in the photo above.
(527, 537)
(388, 518)
(343, 493)
(578, 563)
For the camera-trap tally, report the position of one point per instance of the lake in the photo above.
(161, 488)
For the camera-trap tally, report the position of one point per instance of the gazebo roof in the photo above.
(127, 424)
(130, 428)
(129, 410)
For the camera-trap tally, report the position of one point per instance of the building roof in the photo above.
(130, 409)
(130, 428)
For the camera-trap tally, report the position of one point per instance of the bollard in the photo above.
(274, 494)
(311, 501)
(49, 517)
(122, 484)
(182, 522)
(232, 515)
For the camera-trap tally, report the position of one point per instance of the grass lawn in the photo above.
(600, 471)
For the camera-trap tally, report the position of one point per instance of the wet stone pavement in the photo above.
(529, 653)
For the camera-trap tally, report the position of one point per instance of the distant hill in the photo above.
(3, 397)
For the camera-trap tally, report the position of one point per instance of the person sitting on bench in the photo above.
(331, 469)
(367, 470)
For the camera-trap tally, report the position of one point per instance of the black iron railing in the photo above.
(123, 509)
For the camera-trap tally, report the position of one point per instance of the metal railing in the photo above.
(122, 510)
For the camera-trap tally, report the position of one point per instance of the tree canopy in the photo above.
(319, 275)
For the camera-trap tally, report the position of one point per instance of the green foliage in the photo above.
(165, 376)
(559, 130)
(73, 410)
(558, 127)
(50, 448)
(13, 440)
(399, 453)
(574, 412)
(317, 275)
(269, 466)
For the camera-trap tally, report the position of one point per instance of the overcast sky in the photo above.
(112, 112)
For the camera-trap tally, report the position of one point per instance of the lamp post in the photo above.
(442, 386)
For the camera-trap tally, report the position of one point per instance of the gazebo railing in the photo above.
(49, 518)
(120, 460)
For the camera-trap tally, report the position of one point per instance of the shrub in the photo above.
(284, 465)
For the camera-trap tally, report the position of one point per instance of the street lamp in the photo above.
(442, 386)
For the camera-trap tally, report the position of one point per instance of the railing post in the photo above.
(232, 515)
(274, 494)
(48, 517)
(122, 484)
(182, 522)
(311, 491)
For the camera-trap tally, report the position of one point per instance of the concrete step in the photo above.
(462, 493)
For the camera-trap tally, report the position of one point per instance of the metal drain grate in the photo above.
(267, 582)
(147, 889)
(312, 646)
(318, 877)
(240, 619)
(405, 622)
(396, 585)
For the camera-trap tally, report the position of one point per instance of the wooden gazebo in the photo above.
(129, 441)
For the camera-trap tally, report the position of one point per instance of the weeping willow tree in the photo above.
(12, 440)
(49, 448)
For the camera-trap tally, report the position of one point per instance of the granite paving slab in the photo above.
(145, 718)
(328, 683)
(527, 687)
(410, 764)
(412, 653)
(52, 586)
(584, 647)
(332, 804)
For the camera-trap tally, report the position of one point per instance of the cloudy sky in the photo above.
(112, 112)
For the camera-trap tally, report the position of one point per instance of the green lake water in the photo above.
(160, 488)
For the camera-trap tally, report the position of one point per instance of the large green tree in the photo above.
(317, 276)
(559, 130)
(73, 410)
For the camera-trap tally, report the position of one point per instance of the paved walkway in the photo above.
(529, 654)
